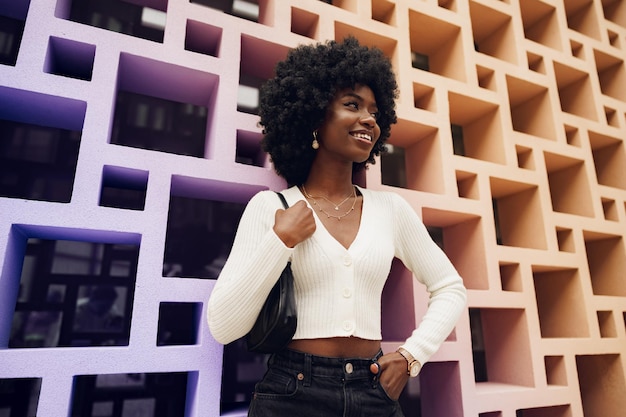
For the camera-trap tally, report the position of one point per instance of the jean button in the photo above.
(349, 368)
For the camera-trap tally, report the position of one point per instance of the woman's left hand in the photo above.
(392, 372)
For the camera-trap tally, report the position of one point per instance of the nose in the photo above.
(368, 119)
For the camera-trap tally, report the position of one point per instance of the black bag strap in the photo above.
(282, 198)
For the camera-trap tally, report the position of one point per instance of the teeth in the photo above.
(362, 136)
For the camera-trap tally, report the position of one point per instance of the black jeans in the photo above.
(303, 385)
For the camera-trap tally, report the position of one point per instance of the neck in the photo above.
(330, 181)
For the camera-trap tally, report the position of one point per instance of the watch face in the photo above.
(415, 369)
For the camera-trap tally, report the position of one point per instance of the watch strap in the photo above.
(413, 365)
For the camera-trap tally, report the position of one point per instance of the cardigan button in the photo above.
(348, 325)
(347, 261)
(347, 293)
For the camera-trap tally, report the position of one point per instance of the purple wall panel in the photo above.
(38, 91)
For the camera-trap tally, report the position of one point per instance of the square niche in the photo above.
(493, 32)
(201, 224)
(163, 107)
(12, 21)
(569, 186)
(517, 214)
(144, 19)
(477, 128)
(70, 58)
(439, 43)
(413, 158)
(178, 323)
(436, 381)
(19, 396)
(249, 151)
(137, 394)
(258, 59)
(609, 158)
(501, 346)
(304, 23)
(203, 38)
(606, 258)
(560, 303)
(461, 238)
(76, 287)
(123, 188)
(41, 137)
(602, 384)
(530, 108)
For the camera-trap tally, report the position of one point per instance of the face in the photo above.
(350, 130)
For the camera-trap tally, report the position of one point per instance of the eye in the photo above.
(375, 115)
(352, 104)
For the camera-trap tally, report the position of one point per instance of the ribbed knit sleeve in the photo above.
(431, 267)
(257, 258)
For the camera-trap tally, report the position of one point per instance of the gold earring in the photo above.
(315, 144)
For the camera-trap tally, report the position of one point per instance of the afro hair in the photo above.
(293, 103)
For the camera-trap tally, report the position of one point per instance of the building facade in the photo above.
(129, 146)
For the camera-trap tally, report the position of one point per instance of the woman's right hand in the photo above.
(295, 224)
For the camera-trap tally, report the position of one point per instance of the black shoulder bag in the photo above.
(276, 323)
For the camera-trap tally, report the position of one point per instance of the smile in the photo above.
(362, 136)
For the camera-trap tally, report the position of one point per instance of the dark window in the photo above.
(420, 61)
(242, 370)
(37, 162)
(118, 395)
(178, 323)
(19, 396)
(158, 124)
(393, 166)
(458, 144)
(11, 31)
(245, 9)
(478, 346)
(130, 18)
(74, 293)
(199, 236)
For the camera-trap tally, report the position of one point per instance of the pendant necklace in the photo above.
(336, 206)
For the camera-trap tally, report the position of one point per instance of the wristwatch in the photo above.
(414, 366)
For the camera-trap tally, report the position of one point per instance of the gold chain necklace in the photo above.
(328, 215)
(336, 205)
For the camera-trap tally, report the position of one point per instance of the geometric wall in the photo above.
(129, 146)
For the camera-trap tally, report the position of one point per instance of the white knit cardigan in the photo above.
(338, 290)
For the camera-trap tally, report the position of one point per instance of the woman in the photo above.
(325, 115)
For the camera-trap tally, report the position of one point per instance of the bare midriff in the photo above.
(337, 347)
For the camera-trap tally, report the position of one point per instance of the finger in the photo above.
(375, 368)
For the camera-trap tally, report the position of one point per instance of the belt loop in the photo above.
(308, 371)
